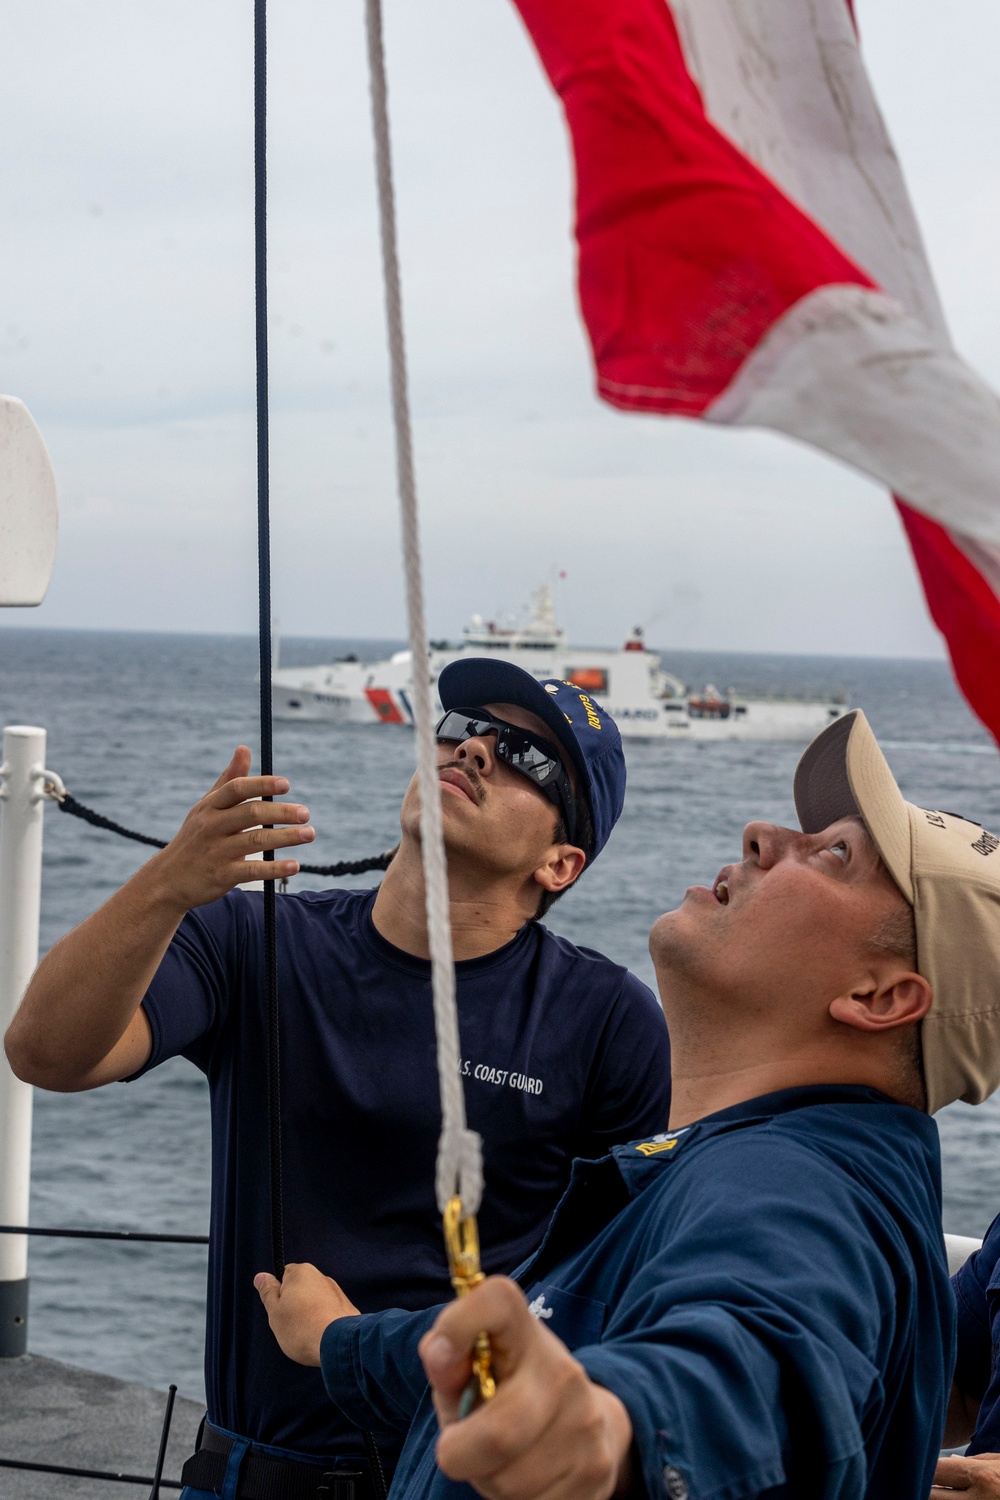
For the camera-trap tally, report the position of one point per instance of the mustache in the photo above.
(471, 775)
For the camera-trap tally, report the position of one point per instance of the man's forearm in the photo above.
(371, 1367)
(77, 1026)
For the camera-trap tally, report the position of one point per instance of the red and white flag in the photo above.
(748, 255)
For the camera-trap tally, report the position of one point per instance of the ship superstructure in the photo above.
(646, 700)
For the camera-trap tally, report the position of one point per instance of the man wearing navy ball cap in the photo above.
(564, 1053)
(583, 731)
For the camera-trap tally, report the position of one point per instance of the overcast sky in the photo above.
(127, 327)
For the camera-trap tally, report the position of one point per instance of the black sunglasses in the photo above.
(532, 756)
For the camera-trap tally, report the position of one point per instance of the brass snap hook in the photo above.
(461, 1238)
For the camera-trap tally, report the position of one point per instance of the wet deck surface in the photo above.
(56, 1413)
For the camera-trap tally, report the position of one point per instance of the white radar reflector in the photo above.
(29, 510)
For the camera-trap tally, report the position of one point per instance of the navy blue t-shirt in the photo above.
(564, 1054)
(977, 1296)
(766, 1292)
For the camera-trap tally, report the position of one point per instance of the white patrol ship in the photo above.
(646, 700)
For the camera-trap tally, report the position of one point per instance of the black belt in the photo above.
(263, 1477)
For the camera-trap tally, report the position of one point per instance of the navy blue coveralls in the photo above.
(767, 1292)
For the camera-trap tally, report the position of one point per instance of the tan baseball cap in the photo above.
(948, 868)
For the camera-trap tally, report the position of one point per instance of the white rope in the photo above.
(459, 1162)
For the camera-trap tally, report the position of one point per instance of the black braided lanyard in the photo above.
(264, 635)
(264, 616)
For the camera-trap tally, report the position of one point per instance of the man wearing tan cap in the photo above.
(757, 1301)
(948, 868)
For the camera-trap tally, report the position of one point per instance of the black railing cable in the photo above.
(111, 1476)
(130, 1236)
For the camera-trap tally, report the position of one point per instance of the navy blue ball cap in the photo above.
(587, 732)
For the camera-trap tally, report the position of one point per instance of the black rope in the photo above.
(133, 1235)
(69, 804)
(264, 620)
(264, 632)
(352, 866)
(379, 1482)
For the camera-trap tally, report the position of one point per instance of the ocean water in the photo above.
(140, 726)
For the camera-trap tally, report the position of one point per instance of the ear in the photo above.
(561, 868)
(900, 1000)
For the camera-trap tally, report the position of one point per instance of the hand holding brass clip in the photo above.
(461, 1238)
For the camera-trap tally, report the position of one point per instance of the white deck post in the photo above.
(21, 810)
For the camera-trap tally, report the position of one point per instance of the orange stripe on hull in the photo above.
(384, 706)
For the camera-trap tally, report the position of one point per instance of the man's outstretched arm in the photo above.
(80, 1024)
(370, 1364)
